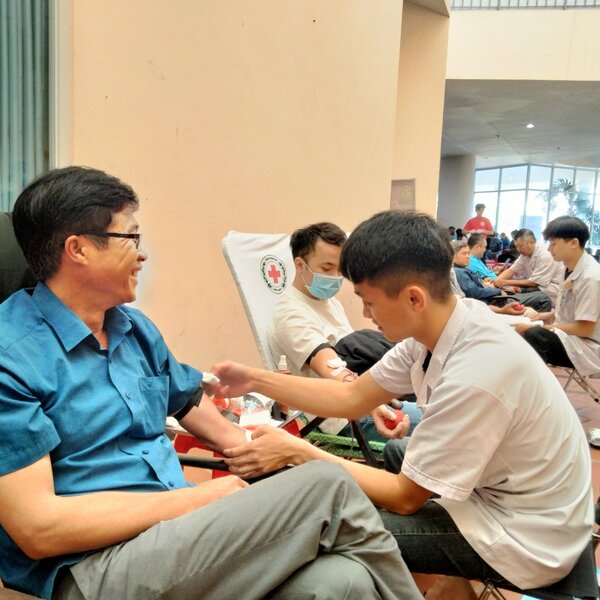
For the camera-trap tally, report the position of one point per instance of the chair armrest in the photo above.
(202, 462)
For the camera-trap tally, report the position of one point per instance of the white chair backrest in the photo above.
(262, 268)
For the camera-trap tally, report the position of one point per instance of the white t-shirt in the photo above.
(300, 325)
(541, 268)
(500, 443)
(579, 300)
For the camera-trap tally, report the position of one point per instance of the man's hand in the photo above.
(512, 308)
(521, 328)
(219, 488)
(380, 414)
(546, 317)
(234, 378)
(270, 449)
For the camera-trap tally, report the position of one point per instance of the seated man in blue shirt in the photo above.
(93, 503)
(474, 287)
(477, 248)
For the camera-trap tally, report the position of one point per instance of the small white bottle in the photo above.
(282, 366)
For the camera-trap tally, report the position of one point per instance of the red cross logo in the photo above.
(274, 274)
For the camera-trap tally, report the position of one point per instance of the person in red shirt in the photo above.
(479, 223)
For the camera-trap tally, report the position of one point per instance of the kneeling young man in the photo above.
(499, 444)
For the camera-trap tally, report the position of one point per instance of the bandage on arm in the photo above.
(328, 364)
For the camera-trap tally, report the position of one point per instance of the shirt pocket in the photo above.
(154, 396)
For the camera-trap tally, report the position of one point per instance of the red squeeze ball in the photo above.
(518, 306)
(391, 423)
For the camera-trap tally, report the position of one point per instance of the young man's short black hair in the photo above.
(524, 233)
(394, 248)
(567, 228)
(65, 202)
(479, 206)
(474, 239)
(303, 240)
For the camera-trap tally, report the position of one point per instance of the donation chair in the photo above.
(583, 382)
(14, 272)
(262, 267)
(580, 584)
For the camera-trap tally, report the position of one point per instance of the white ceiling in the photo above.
(488, 119)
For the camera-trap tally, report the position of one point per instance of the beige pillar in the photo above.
(455, 195)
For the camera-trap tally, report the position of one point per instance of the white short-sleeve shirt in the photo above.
(500, 443)
(300, 325)
(541, 268)
(579, 300)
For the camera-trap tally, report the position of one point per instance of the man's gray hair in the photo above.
(458, 244)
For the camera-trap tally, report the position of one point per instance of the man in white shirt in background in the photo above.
(571, 334)
(534, 269)
(308, 321)
(499, 444)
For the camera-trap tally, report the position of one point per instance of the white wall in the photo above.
(561, 45)
(254, 115)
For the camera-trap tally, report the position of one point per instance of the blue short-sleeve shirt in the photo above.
(99, 413)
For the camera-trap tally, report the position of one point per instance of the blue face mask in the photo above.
(323, 286)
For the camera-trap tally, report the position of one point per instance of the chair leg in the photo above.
(363, 444)
(491, 591)
(583, 383)
(571, 373)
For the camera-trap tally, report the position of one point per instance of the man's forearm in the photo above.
(384, 489)
(49, 525)
(578, 328)
(516, 282)
(207, 424)
(324, 397)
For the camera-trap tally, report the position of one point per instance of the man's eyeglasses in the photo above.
(136, 237)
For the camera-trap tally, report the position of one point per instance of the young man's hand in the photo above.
(381, 414)
(234, 379)
(512, 308)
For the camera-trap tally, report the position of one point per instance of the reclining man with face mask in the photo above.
(310, 326)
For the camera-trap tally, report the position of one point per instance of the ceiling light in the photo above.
(530, 125)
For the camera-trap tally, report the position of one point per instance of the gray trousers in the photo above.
(307, 533)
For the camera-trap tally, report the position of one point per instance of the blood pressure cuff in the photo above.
(193, 401)
(362, 349)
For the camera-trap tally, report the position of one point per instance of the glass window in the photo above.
(510, 211)
(564, 174)
(575, 190)
(559, 206)
(514, 178)
(595, 231)
(487, 180)
(536, 216)
(585, 180)
(539, 177)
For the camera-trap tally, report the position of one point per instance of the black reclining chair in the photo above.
(581, 583)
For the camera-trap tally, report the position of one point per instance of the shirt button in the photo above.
(171, 484)
(127, 395)
(145, 452)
